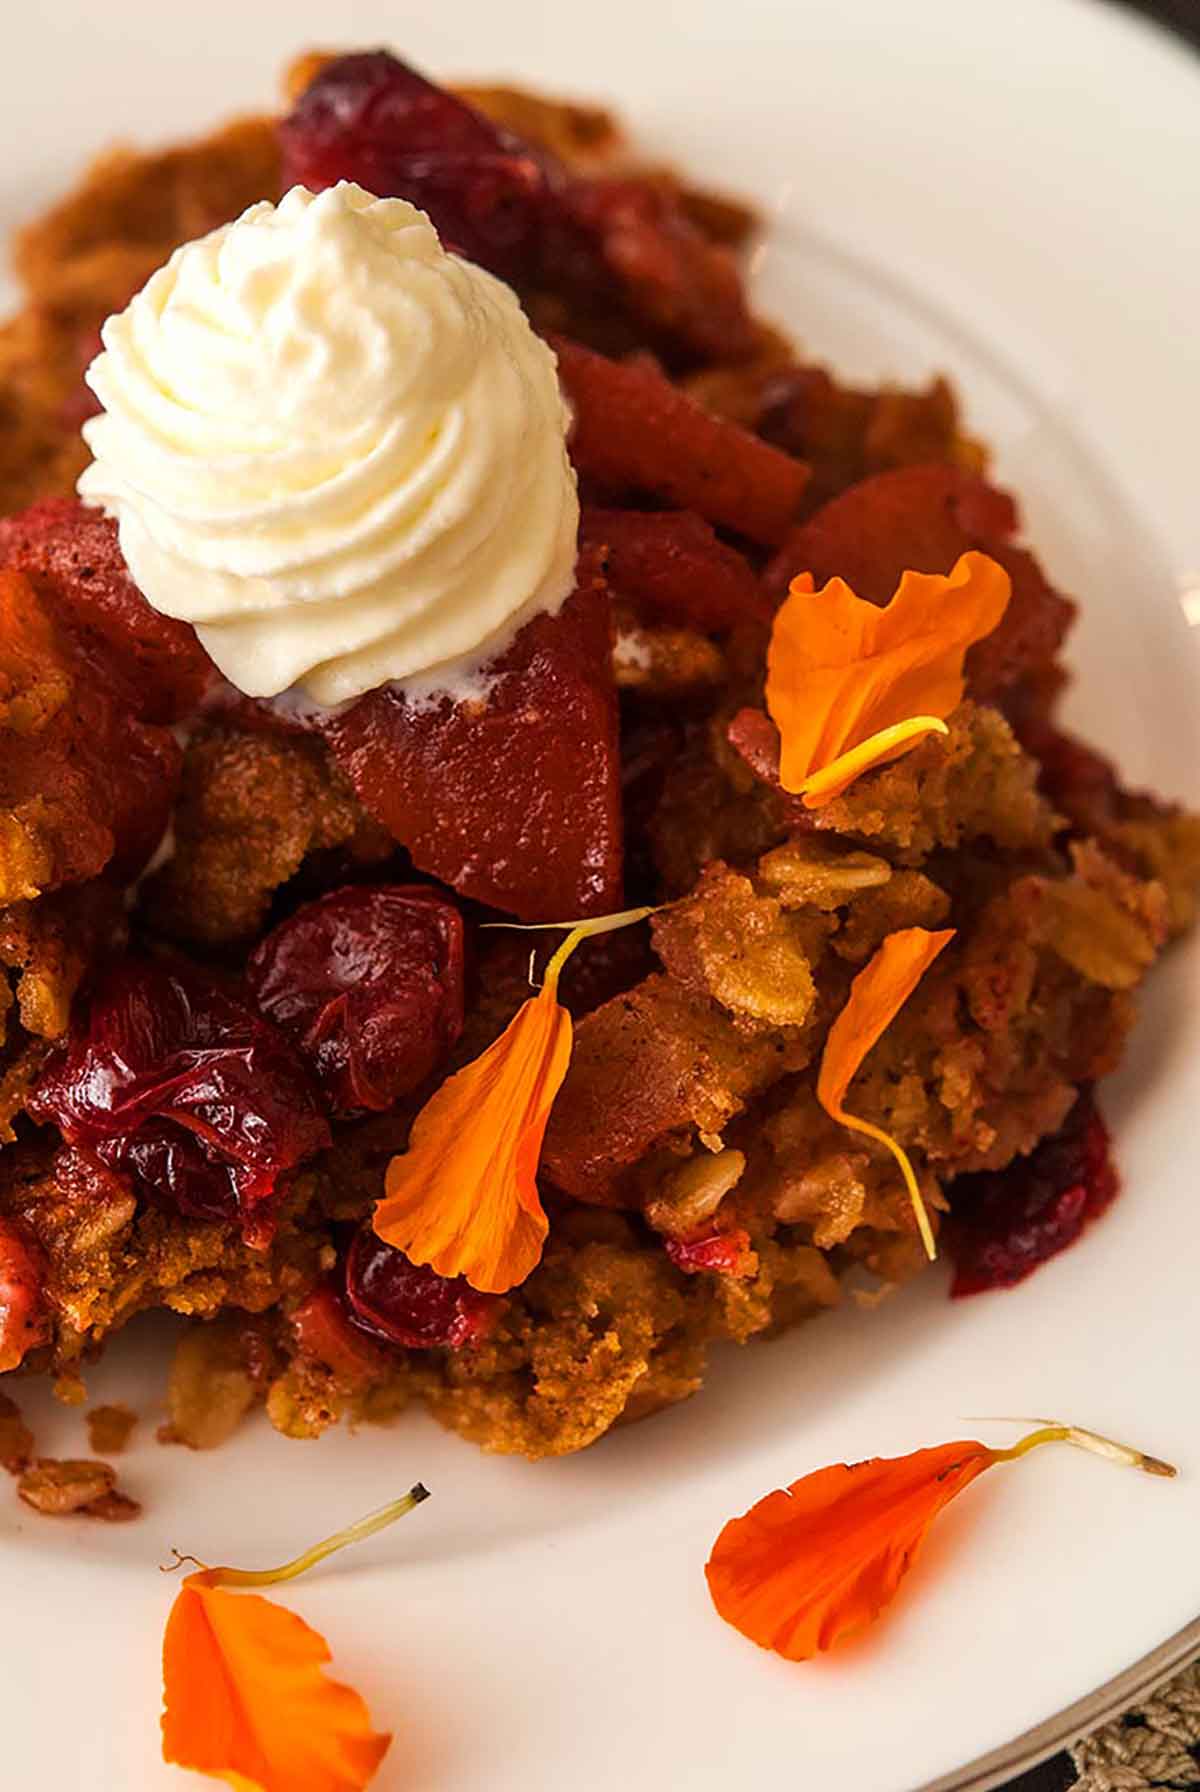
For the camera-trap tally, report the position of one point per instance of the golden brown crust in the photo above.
(48, 945)
(91, 252)
(251, 807)
(86, 257)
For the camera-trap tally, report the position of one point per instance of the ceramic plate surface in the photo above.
(1009, 193)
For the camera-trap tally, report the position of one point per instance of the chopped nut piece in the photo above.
(61, 1487)
(113, 1508)
(811, 873)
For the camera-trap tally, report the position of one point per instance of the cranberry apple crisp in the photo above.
(246, 941)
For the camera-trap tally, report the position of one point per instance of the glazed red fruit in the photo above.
(922, 518)
(100, 781)
(686, 291)
(175, 1170)
(135, 767)
(407, 1304)
(370, 118)
(1005, 1222)
(166, 1077)
(325, 1333)
(755, 739)
(722, 1252)
(671, 564)
(367, 983)
(24, 1322)
(152, 664)
(634, 430)
(515, 801)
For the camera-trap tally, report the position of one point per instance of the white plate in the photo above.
(1010, 192)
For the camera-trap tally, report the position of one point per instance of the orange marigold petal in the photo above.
(463, 1198)
(814, 1561)
(877, 995)
(245, 1699)
(841, 671)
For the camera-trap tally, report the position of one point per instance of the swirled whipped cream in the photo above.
(336, 449)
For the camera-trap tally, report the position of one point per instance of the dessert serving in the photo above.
(534, 834)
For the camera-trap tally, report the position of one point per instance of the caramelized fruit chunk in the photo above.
(133, 772)
(650, 1067)
(922, 519)
(367, 983)
(634, 430)
(324, 1333)
(683, 289)
(514, 800)
(173, 1169)
(153, 663)
(1005, 1222)
(83, 782)
(167, 1077)
(672, 564)
(408, 1304)
(23, 1323)
(848, 434)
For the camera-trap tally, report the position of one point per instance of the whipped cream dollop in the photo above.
(336, 449)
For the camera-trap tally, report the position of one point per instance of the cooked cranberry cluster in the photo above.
(207, 1092)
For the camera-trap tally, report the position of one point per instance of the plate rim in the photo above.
(1075, 1721)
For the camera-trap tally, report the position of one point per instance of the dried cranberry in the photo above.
(722, 1252)
(169, 1078)
(1005, 1222)
(516, 801)
(672, 564)
(406, 1303)
(370, 118)
(367, 983)
(175, 1170)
